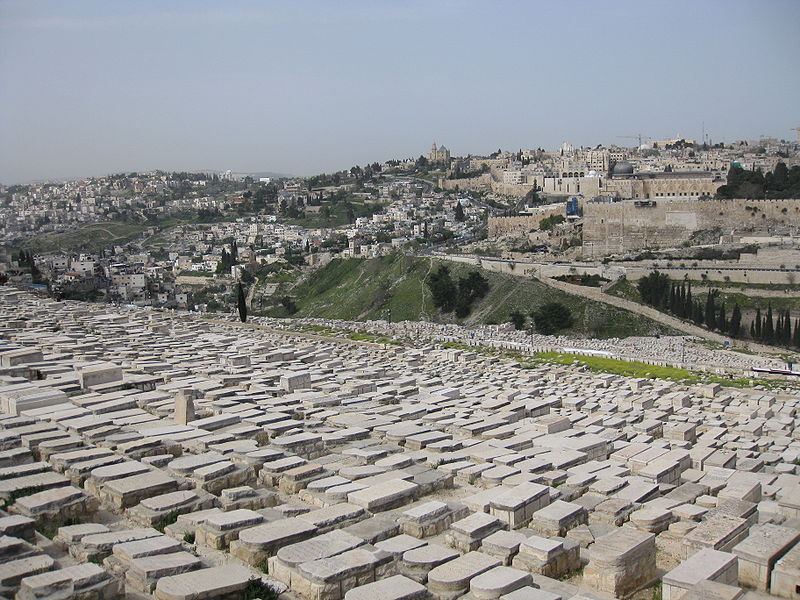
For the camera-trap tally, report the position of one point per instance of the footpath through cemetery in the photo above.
(157, 455)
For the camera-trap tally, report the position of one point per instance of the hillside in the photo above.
(393, 288)
(87, 238)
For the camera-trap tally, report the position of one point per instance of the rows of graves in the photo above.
(144, 454)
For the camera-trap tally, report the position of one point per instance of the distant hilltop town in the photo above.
(183, 239)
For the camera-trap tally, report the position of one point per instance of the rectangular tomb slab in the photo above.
(326, 545)
(786, 575)
(384, 496)
(707, 564)
(129, 491)
(622, 562)
(721, 532)
(205, 584)
(395, 587)
(219, 529)
(330, 578)
(256, 544)
(759, 552)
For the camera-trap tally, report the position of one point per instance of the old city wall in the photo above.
(481, 182)
(610, 227)
(523, 224)
(515, 190)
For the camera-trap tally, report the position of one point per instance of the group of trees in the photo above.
(782, 182)
(26, 260)
(228, 259)
(548, 319)
(659, 291)
(778, 331)
(456, 296)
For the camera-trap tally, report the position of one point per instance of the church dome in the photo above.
(623, 167)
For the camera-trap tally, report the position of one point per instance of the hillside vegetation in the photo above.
(87, 238)
(393, 288)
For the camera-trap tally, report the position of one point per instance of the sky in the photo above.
(303, 87)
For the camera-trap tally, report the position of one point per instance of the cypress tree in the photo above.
(687, 306)
(758, 324)
(672, 304)
(698, 313)
(241, 303)
(722, 321)
(769, 325)
(735, 324)
(779, 328)
(710, 314)
(797, 332)
(753, 330)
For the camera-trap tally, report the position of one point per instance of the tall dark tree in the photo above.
(796, 337)
(722, 320)
(710, 312)
(443, 289)
(768, 330)
(459, 210)
(735, 324)
(470, 288)
(654, 289)
(518, 320)
(241, 303)
(552, 317)
(687, 311)
(757, 325)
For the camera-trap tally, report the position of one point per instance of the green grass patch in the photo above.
(168, 519)
(616, 366)
(627, 368)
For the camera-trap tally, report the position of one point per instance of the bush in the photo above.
(518, 319)
(552, 317)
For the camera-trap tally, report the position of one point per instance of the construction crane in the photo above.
(639, 137)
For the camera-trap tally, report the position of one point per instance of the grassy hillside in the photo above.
(393, 288)
(89, 238)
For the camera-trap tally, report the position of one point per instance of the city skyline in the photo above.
(90, 88)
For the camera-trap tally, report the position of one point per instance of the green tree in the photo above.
(552, 317)
(735, 324)
(443, 289)
(654, 289)
(470, 288)
(241, 303)
(710, 312)
(459, 210)
(518, 319)
(288, 305)
(768, 329)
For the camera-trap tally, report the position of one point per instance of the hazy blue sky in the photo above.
(93, 87)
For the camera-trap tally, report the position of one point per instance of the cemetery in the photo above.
(148, 454)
